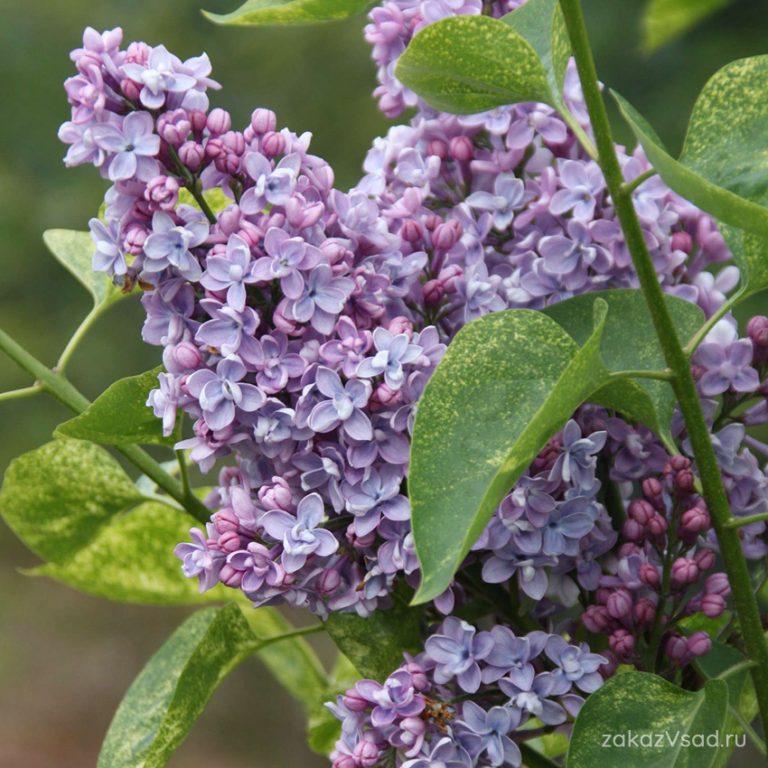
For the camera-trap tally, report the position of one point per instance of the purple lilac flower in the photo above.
(170, 244)
(231, 272)
(300, 535)
(344, 406)
(508, 195)
(133, 146)
(161, 74)
(456, 651)
(485, 733)
(393, 351)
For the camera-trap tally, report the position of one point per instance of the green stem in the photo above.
(18, 394)
(665, 375)
(184, 476)
(715, 494)
(630, 186)
(750, 732)
(534, 759)
(301, 632)
(192, 184)
(723, 310)
(58, 386)
(77, 337)
(578, 131)
(740, 522)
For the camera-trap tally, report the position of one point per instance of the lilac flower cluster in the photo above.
(421, 716)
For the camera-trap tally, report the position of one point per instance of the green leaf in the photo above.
(649, 706)
(130, 560)
(508, 382)
(467, 64)
(725, 662)
(121, 415)
(57, 497)
(74, 251)
(650, 401)
(215, 198)
(750, 252)
(541, 23)
(666, 20)
(172, 690)
(292, 662)
(282, 12)
(375, 645)
(724, 172)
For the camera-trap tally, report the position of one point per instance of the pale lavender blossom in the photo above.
(582, 184)
(508, 195)
(456, 650)
(578, 456)
(109, 256)
(200, 559)
(322, 299)
(170, 244)
(344, 406)
(301, 535)
(576, 664)
(165, 401)
(231, 272)
(222, 392)
(132, 145)
(162, 74)
(393, 351)
(287, 256)
(487, 733)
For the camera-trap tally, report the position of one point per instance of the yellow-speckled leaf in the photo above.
(57, 497)
(508, 382)
(130, 560)
(750, 252)
(74, 251)
(467, 64)
(665, 20)
(659, 716)
(541, 23)
(649, 401)
(281, 12)
(723, 171)
(121, 415)
(172, 690)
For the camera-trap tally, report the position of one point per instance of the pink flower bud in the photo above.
(354, 701)
(449, 277)
(133, 241)
(419, 677)
(130, 90)
(698, 644)
(705, 559)
(433, 292)
(641, 511)
(229, 576)
(622, 643)
(649, 575)
(676, 648)
(229, 541)
(367, 754)
(276, 495)
(651, 487)
(191, 155)
(460, 148)
(272, 144)
(619, 604)
(447, 234)
(684, 572)
(225, 520)
(595, 619)
(712, 605)
(717, 584)
(229, 220)
(757, 329)
(219, 121)
(438, 148)
(695, 520)
(679, 462)
(645, 611)
(329, 581)
(263, 121)
(411, 231)
(658, 525)
(632, 530)
(182, 357)
(682, 241)
(174, 127)
(198, 119)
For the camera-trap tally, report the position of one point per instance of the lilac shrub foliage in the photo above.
(299, 325)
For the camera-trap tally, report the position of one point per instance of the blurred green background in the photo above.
(65, 658)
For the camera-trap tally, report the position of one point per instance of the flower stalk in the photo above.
(683, 383)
